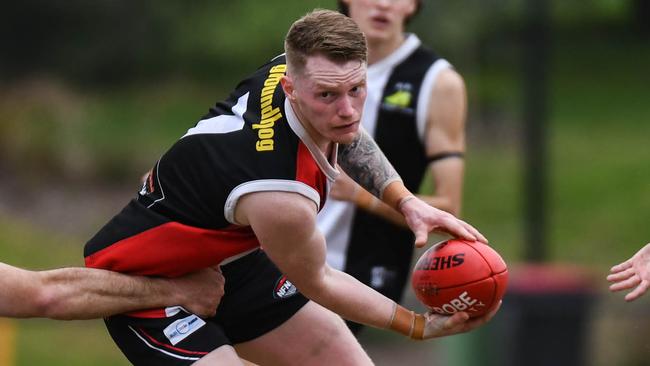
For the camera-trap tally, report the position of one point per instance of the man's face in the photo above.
(328, 98)
(381, 20)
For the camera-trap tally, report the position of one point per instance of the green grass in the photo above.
(74, 343)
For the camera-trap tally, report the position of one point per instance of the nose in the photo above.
(383, 3)
(345, 108)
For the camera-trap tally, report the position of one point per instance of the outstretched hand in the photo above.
(423, 219)
(633, 273)
(437, 325)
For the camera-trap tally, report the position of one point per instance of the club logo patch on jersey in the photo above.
(284, 288)
(182, 328)
(400, 99)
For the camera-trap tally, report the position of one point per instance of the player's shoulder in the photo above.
(449, 82)
(276, 66)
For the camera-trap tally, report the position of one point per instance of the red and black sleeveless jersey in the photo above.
(183, 217)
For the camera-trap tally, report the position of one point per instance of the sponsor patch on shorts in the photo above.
(284, 288)
(182, 328)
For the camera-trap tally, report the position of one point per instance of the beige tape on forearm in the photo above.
(418, 327)
(407, 322)
(394, 193)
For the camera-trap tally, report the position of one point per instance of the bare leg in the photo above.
(222, 356)
(313, 336)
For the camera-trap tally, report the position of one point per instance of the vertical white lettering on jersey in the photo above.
(223, 123)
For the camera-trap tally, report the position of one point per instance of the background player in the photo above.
(633, 273)
(415, 110)
(86, 293)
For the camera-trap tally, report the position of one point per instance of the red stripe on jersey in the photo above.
(308, 172)
(149, 314)
(173, 249)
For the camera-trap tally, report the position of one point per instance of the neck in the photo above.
(379, 50)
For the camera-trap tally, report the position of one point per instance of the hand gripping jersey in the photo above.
(183, 217)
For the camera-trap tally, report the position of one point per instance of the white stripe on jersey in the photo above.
(223, 123)
(266, 185)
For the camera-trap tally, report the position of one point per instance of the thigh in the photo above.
(179, 340)
(313, 336)
(222, 356)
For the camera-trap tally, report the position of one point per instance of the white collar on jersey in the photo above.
(326, 165)
(409, 45)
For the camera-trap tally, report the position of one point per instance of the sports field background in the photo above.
(81, 119)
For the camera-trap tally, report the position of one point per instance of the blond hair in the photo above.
(324, 32)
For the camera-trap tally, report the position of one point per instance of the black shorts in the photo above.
(257, 299)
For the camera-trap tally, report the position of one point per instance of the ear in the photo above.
(288, 87)
(411, 8)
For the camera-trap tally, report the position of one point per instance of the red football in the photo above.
(459, 275)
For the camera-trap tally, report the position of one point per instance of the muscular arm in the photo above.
(85, 293)
(294, 244)
(445, 133)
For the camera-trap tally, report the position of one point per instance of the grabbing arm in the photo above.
(87, 293)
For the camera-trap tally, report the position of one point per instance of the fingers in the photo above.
(621, 267)
(457, 229)
(209, 313)
(621, 275)
(474, 232)
(466, 231)
(623, 285)
(455, 320)
(421, 237)
(640, 290)
(476, 322)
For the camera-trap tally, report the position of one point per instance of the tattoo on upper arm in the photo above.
(364, 162)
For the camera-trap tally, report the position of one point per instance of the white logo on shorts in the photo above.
(182, 328)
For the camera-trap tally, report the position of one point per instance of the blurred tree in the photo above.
(641, 15)
(117, 41)
(96, 41)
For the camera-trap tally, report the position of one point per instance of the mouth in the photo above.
(350, 127)
(380, 21)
